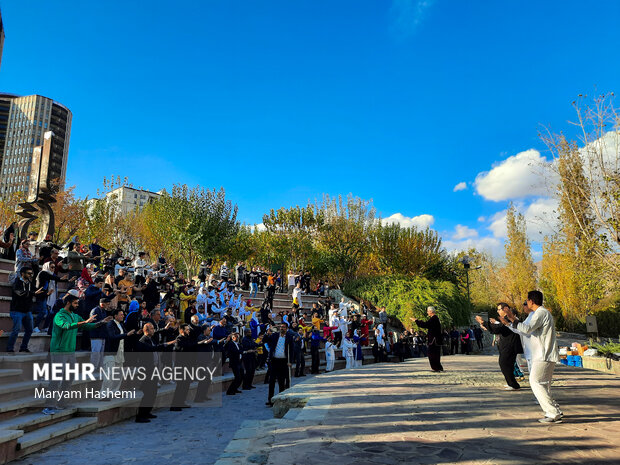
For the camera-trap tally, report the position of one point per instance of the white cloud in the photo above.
(482, 219)
(407, 15)
(420, 221)
(461, 186)
(463, 232)
(522, 175)
(540, 219)
(491, 245)
(259, 227)
(498, 224)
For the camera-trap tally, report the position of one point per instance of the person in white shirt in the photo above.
(544, 352)
(330, 355)
(297, 296)
(291, 281)
(348, 351)
(139, 265)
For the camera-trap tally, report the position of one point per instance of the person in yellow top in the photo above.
(185, 297)
(316, 321)
(126, 288)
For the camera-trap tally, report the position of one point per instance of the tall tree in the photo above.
(408, 251)
(293, 231)
(191, 224)
(520, 269)
(344, 239)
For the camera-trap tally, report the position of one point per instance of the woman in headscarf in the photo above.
(254, 325)
(330, 354)
(185, 297)
(359, 355)
(380, 343)
(46, 294)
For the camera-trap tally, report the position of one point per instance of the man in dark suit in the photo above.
(233, 352)
(116, 334)
(146, 358)
(509, 346)
(249, 359)
(184, 345)
(434, 338)
(281, 353)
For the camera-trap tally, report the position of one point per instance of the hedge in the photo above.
(405, 297)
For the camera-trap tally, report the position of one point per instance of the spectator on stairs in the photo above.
(297, 303)
(21, 309)
(62, 347)
(23, 257)
(45, 294)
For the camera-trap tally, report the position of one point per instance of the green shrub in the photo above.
(607, 349)
(406, 297)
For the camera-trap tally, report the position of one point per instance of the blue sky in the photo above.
(279, 101)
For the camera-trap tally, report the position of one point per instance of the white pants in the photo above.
(350, 361)
(97, 347)
(541, 374)
(109, 362)
(330, 359)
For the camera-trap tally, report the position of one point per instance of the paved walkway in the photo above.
(379, 414)
(197, 435)
(403, 413)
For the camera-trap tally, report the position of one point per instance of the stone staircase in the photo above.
(24, 429)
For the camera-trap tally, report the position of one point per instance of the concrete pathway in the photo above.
(403, 413)
(379, 414)
(197, 435)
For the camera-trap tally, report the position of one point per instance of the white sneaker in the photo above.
(36, 330)
(557, 419)
(49, 411)
(509, 388)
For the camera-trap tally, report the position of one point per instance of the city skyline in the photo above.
(431, 109)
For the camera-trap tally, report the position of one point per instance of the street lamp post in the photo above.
(466, 261)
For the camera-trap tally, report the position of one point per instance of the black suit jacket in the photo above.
(113, 336)
(509, 341)
(233, 353)
(433, 325)
(289, 350)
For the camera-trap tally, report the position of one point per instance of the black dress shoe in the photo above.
(142, 420)
(25, 350)
(150, 415)
(252, 387)
(238, 392)
(186, 406)
(269, 404)
(230, 393)
(176, 409)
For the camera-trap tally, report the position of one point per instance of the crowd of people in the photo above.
(138, 305)
(123, 305)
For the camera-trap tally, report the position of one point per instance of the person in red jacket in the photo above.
(365, 329)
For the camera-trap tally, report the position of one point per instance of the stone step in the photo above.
(7, 265)
(31, 421)
(9, 374)
(18, 389)
(55, 433)
(14, 407)
(4, 275)
(25, 361)
(5, 304)
(39, 342)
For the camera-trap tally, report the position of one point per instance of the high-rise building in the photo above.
(1, 37)
(23, 121)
